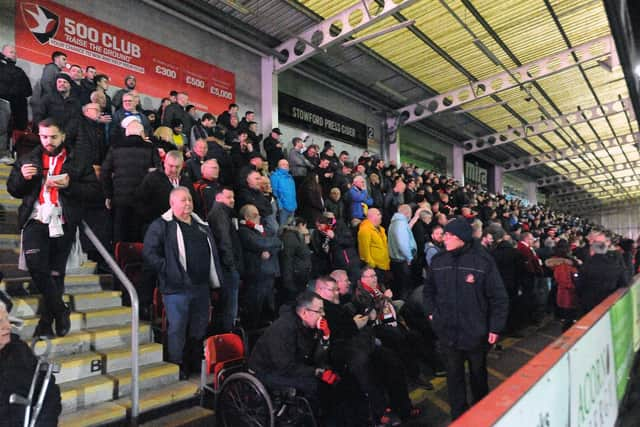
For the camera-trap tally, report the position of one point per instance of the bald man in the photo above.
(180, 248)
(15, 88)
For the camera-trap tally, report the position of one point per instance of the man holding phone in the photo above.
(51, 182)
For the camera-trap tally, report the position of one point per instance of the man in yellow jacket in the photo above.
(372, 243)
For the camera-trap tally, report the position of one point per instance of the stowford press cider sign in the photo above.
(318, 120)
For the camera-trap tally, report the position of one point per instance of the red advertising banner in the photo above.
(43, 27)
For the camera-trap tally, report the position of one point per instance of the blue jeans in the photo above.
(188, 309)
(228, 310)
(283, 217)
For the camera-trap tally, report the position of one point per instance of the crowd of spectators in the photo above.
(340, 246)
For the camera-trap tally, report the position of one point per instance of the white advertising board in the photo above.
(546, 404)
(592, 376)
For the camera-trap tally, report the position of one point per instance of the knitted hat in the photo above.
(459, 227)
(64, 76)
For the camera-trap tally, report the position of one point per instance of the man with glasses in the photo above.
(129, 109)
(467, 304)
(292, 352)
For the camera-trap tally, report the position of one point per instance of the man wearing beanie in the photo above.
(60, 106)
(467, 304)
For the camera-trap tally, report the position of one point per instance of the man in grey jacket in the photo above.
(299, 165)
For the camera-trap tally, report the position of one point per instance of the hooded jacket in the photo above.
(402, 244)
(164, 251)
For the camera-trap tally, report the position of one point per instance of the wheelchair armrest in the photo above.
(16, 399)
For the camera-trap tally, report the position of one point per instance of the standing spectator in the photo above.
(434, 245)
(52, 183)
(334, 204)
(298, 163)
(60, 105)
(393, 199)
(87, 84)
(251, 194)
(102, 85)
(372, 243)
(311, 200)
(177, 111)
(295, 259)
(50, 73)
(208, 185)
(224, 119)
(75, 72)
(86, 136)
(510, 263)
(180, 248)
(152, 195)
(129, 85)
(284, 189)
(599, 276)
(260, 248)
(197, 159)
(533, 272)
(359, 199)
(421, 233)
(273, 148)
(402, 251)
(224, 226)
(15, 88)
(467, 305)
(565, 271)
(129, 109)
(127, 163)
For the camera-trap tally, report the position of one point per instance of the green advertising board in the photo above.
(622, 324)
(635, 296)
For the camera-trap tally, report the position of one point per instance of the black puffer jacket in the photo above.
(510, 263)
(226, 237)
(83, 186)
(127, 163)
(466, 297)
(87, 139)
(249, 196)
(17, 364)
(14, 83)
(53, 105)
(296, 259)
(599, 276)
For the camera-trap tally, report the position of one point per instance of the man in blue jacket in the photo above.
(467, 304)
(402, 251)
(284, 188)
(177, 246)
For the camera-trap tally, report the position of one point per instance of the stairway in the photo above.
(94, 358)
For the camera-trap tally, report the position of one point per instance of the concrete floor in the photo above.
(501, 364)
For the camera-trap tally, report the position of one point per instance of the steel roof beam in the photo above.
(587, 173)
(580, 198)
(569, 152)
(590, 186)
(549, 125)
(532, 71)
(323, 34)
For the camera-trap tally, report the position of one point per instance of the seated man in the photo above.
(292, 352)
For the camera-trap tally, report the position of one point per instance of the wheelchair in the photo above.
(240, 398)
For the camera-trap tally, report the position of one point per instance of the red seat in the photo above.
(129, 258)
(223, 352)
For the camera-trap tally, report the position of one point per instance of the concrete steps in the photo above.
(95, 357)
(191, 417)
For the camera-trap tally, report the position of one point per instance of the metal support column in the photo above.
(458, 164)
(269, 92)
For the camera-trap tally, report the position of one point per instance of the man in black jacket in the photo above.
(61, 106)
(273, 148)
(52, 184)
(251, 194)
(599, 276)
(181, 250)
(292, 352)
(127, 163)
(224, 227)
(15, 88)
(467, 304)
(177, 110)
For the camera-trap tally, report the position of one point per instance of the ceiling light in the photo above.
(379, 33)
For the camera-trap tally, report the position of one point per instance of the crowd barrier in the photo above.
(579, 380)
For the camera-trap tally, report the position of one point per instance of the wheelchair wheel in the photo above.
(244, 401)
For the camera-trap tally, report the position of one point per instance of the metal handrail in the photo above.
(135, 321)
